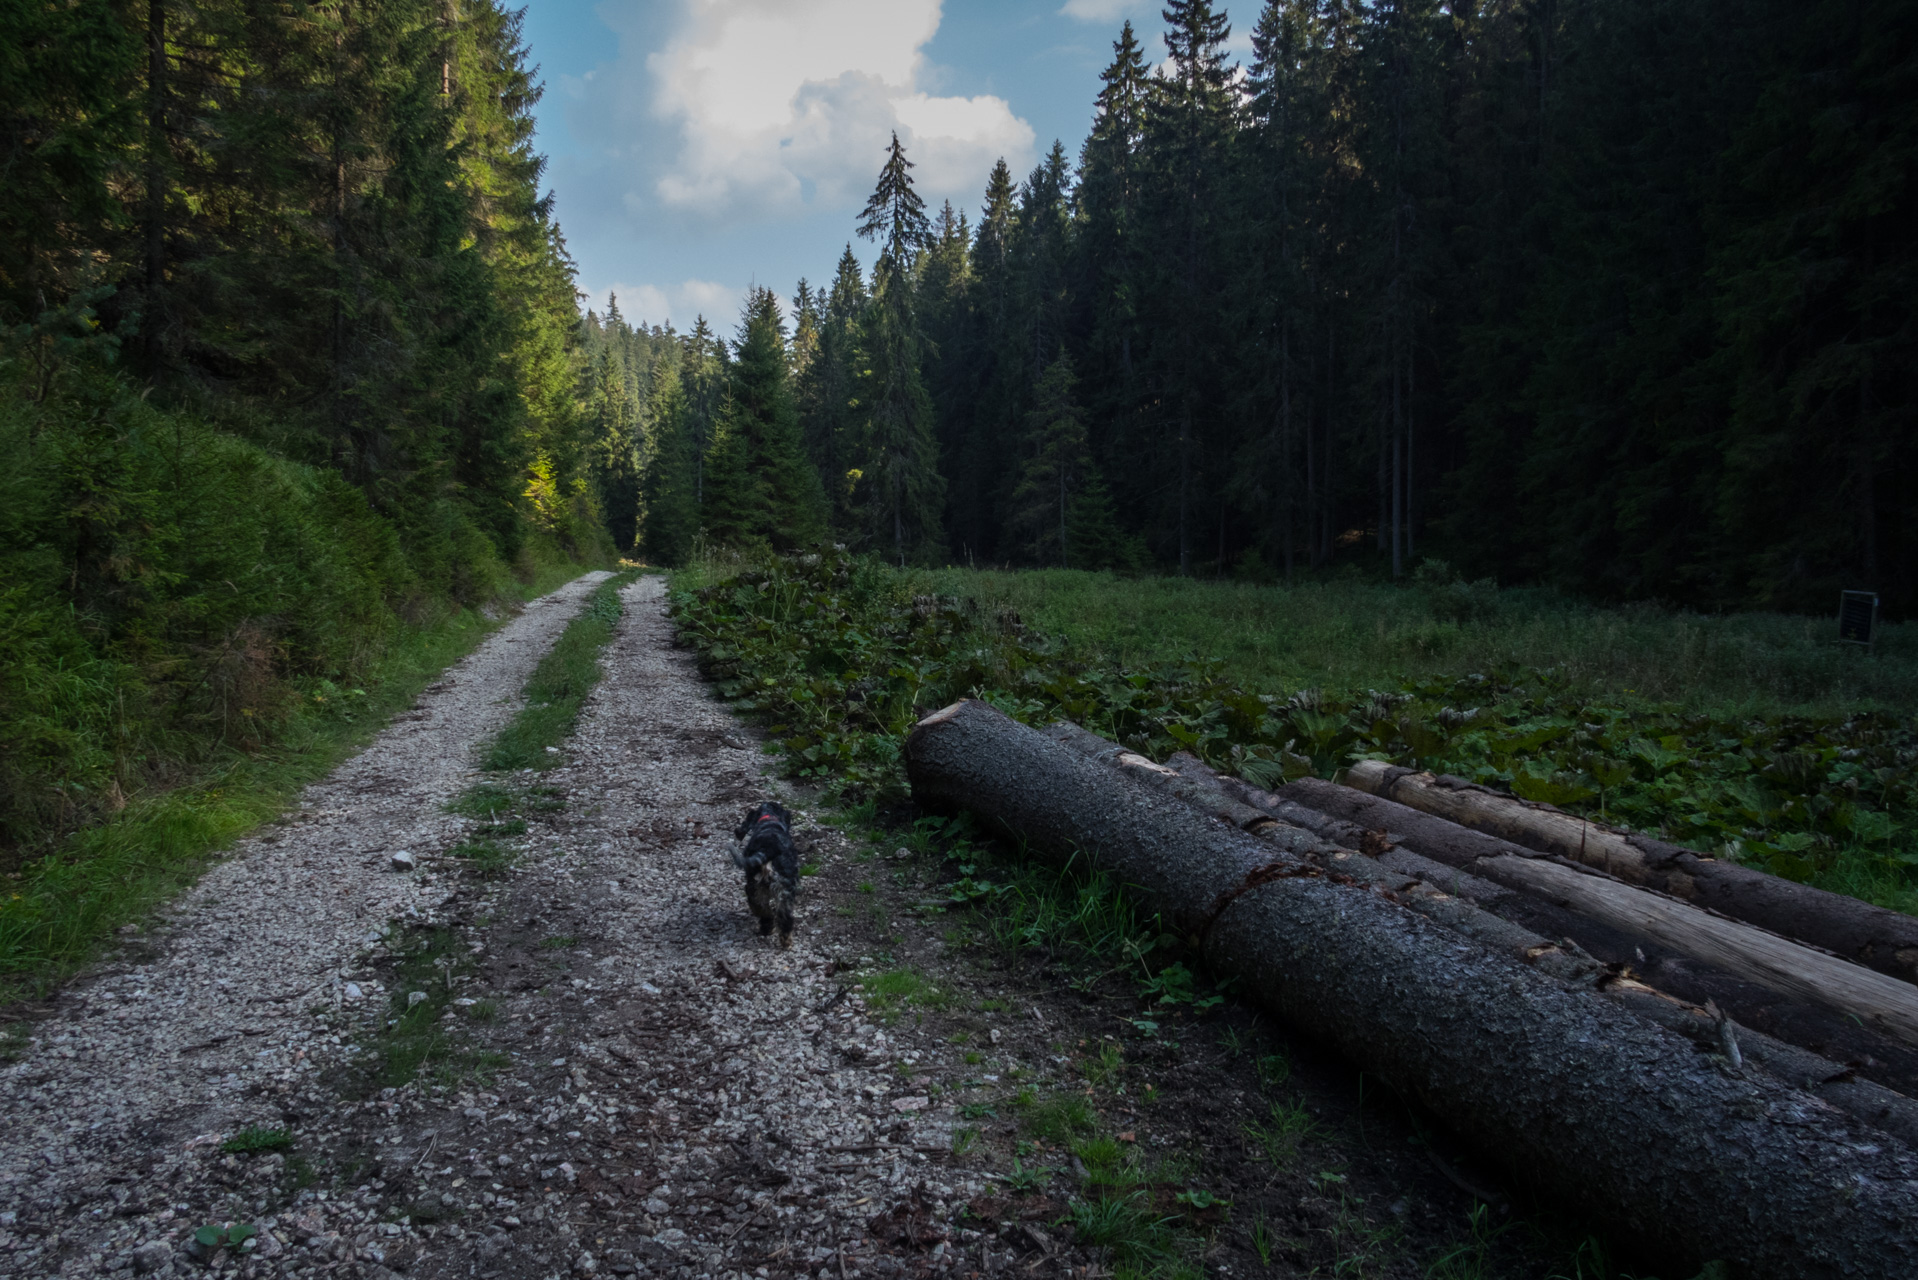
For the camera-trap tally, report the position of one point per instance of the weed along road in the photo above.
(618, 1076)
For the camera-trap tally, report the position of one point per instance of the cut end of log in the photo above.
(943, 714)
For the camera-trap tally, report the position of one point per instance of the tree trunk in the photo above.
(1578, 1095)
(1886, 941)
(1832, 1081)
(1672, 965)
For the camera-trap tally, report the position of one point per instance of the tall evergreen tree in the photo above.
(1054, 469)
(759, 489)
(903, 490)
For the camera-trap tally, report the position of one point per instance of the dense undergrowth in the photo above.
(191, 628)
(842, 656)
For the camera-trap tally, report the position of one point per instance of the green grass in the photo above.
(415, 1040)
(1767, 751)
(255, 1138)
(559, 686)
(56, 911)
(1347, 636)
(895, 989)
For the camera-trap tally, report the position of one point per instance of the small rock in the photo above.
(415, 997)
(585, 1265)
(994, 1033)
(151, 1256)
(352, 991)
(403, 861)
(911, 1104)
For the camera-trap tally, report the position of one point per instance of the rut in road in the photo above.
(669, 1093)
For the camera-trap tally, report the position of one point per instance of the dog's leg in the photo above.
(785, 928)
(765, 925)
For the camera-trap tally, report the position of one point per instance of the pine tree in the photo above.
(1190, 119)
(669, 514)
(614, 451)
(1108, 199)
(903, 491)
(759, 489)
(1054, 466)
(829, 427)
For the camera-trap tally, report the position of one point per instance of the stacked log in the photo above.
(1538, 1064)
(1879, 939)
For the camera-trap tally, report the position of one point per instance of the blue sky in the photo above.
(698, 147)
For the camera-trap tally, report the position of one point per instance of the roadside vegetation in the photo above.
(841, 656)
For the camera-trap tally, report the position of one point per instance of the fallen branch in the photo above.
(1873, 936)
(1578, 1094)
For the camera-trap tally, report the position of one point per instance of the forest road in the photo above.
(630, 1081)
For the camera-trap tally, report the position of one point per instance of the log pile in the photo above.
(1668, 1119)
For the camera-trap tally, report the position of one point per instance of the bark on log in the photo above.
(1834, 1082)
(1603, 1107)
(1869, 935)
(1812, 1025)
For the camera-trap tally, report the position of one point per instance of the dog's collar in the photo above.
(770, 818)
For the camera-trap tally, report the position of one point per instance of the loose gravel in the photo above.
(631, 1082)
(155, 1057)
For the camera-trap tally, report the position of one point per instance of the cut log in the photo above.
(1579, 1095)
(1816, 1024)
(1837, 1083)
(1873, 936)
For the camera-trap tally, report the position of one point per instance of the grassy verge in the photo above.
(54, 912)
(841, 657)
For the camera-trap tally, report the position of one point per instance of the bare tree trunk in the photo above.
(156, 176)
(1579, 1096)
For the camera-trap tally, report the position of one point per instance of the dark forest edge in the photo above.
(289, 414)
(1609, 296)
(841, 656)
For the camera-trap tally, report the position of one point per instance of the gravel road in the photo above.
(664, 1091)
(614, 1075)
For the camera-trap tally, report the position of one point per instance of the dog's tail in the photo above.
(747, 861)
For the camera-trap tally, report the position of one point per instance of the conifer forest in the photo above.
(1615, 297)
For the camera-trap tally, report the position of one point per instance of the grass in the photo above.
(1747, 738)
(889, 992)
(56, 912)
(416, 1039)
(559, 686)
(254, 1139)
(1346, 635)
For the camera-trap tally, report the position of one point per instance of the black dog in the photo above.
(766, 854)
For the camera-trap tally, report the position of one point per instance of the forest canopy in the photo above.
(1613, 295)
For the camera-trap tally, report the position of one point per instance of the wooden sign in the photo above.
(1857, 615)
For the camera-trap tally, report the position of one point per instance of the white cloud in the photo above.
(1105, 10)
(680, 303)
(789, 103)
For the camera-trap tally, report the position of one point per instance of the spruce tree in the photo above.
(1053, 468)
(829, 425)
(759, 489)
(902, 489)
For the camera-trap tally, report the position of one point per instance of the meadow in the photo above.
(1346, 634)
(1750, 737)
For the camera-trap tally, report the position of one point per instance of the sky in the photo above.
(700, 147)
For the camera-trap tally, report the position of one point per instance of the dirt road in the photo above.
(619, 1077)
